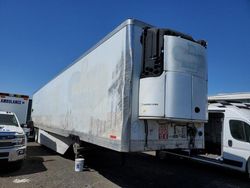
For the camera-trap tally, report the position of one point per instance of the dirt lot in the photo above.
(44, 168)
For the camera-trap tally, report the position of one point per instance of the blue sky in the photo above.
(39, 38)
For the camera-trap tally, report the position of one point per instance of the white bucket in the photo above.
(79, 163)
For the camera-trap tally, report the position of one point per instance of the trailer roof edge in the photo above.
(130, 21)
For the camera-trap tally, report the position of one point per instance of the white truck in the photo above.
(13, 141)
(227, 137)
(140, 88)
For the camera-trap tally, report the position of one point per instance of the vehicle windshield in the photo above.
(7, 119)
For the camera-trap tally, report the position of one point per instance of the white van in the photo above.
(13, 141)
(227, 137)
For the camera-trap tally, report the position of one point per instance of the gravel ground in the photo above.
(45, 168)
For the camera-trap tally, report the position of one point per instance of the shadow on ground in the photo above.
(144, 170)
(32, 164)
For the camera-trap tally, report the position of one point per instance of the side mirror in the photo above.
(23, 125)
(30, 124)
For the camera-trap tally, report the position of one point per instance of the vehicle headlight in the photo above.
(20, 140)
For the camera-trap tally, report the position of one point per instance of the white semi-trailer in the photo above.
(140, 88)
